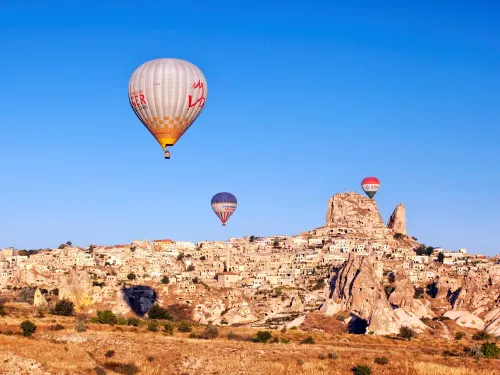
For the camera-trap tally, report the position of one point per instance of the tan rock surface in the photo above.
(397, 221)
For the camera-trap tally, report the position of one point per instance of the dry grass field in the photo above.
(105, 349)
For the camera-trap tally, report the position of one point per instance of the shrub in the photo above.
(490, 350)
(121, 320)
(341, 318)
(153, 326)
(63, 307)
(28, 328)
(165, 280)
(308, 340)
(475, 351)
(109, 353)
(263, 336)
(169, 328)
(80, 325)
(275, 340)
(322, 356)
(180, 311)
(285, 340)
(362, 370)
(57, 327)
(459, 335)
(158, 312)
(480, 336)
(122, 368)
(190, 268)
(419, 292)
(192, 335)
(106, 317)
(184, 327)
(131, 276)
(381, 360)
(333, 355)
(2, 310)
(133, 321)
(210, 332)
(407, 333)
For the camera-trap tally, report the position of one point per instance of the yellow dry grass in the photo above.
(69, 352)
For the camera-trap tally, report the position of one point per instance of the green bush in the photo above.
(106, 317)
(341, 318)
(490, 350)
(263, 336)
(63, 307)
(158, 312)
(481, 336)
(407, 333)
(28, 328)
(80, 325)
(381, 360)
(121, 320)
(285, 340)
(184, 327)
(308, 340)
(133, 321)
(169, 328)
(153, 326)
(210, 332)
(459, 335)
(362, 370)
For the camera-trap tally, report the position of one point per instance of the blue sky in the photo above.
(305, 99)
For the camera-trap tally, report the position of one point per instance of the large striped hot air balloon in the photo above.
(370, 186)
(167, 95)
(224, 205)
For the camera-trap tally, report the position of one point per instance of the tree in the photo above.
(69, 243)
(252, 238)
(2, 310)
(180, 256)
(55, 291)
(131, 276)
(63, 307)
(158, 312)
(165, 280)
(190, 268)
(441, 257)
(203, 257)
(407, 333)
(28, 328)
(419, 292)
(263, 336)
(276, 243)
(196, 280)
(184, 327)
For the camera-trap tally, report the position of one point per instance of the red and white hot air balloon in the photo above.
(370, 186)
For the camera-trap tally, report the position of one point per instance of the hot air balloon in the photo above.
(370, 186)
(167, 95)
(224, 205)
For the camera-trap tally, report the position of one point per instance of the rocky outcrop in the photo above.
(492, 319)
(353, 210)
(465, 319)
(357, 290)
(402, 297)
(39, 300)
(469, 295)
(444, 287)
(397, 221)
(76, 287)
(296, 305)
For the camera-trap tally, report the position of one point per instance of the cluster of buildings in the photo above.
(249, 263)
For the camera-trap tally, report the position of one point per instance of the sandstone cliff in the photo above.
(397, 221)
(353, 210)
(76, 287)
(402, 297)
(39, 300)
(357, 290)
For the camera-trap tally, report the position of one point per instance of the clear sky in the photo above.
(305, 99)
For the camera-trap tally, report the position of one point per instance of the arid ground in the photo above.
(57, 348)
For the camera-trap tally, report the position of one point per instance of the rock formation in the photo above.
(76, 287)
(353, 210)
(469, 295)
(397, 221)
(296, 305)
(39, 300)
(402, 297)
(357, 290)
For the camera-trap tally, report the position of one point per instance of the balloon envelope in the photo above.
(167, 95)
(224, 205)
(370, 186)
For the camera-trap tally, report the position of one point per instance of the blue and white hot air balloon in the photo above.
(224, 204)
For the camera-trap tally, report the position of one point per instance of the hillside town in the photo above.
(274, 280)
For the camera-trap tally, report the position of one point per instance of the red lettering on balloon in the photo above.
(201, 99)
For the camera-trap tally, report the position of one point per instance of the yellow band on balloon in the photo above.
(166, 141)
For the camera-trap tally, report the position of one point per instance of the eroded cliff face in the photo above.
(402, 297)
(356, 289)
(397, 221)
(76, 287)
(353, 210)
